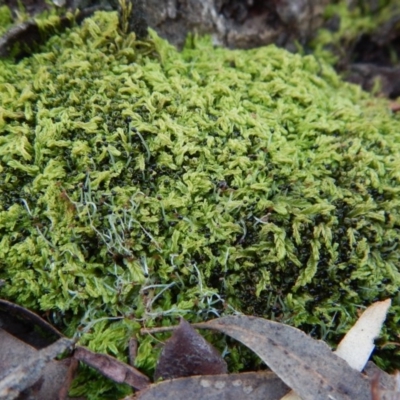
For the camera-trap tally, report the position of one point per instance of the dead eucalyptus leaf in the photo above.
(187, 353)
(356, 347)
(27, 370)
(263, 385)
(15, 380)
(394, 106)
(23, 323)
(383, 385)
(54, 380)
(386, 381)
(306, 365)
(67, 379)
(112, 368)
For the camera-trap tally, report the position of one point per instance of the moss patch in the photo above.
(138, 183)
(349, 24)
(5, 19)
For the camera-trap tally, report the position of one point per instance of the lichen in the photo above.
(139, 183)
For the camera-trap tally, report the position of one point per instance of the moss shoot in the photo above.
(138, 183)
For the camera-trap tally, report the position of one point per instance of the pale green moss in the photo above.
(138, 183)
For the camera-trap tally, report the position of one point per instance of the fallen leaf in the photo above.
(356, 347)
(23, 368)
(261, 385)
(292, 395)
(23, 323)
(31, 370)
(306, 365)
(187, 353)
(55, 378)
(68, 377)
(386, 381)
(112, 368)
(383, 385)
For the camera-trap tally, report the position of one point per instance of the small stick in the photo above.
(161, 329)
(132, 347)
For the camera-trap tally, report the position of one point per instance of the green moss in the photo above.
(334, 46)
(138, 184)
(5, 19)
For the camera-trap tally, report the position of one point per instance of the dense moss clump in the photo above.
(138, 183)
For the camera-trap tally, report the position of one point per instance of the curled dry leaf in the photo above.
(112, 368)
(187, 353)
(261, 385)
(306, 365)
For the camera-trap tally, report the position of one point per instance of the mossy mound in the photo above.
(138, 183)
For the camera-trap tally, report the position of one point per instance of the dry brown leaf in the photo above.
(55, 379)
(68, 377)
(22, 323)
(261, 385)
(187, 353)
(356, 347)
(112, 368)
(306, 365)
(26, 374)
(23, 368)
(383, 385)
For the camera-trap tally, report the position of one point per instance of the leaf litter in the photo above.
(192, 367)
(306, 365)
(112, 368)
(260, 385)
(187, 353)
(357, 345)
